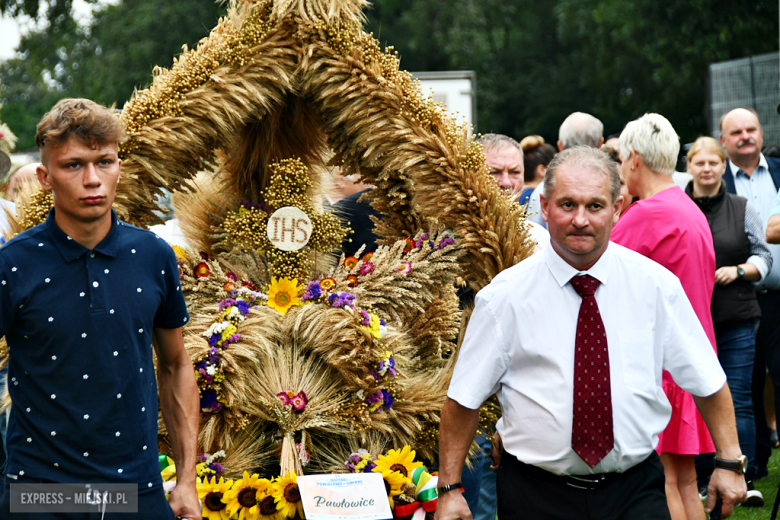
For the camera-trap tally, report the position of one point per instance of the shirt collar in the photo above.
(71, 250)
(563, 272)
(762, 163)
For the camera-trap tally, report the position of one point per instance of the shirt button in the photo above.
(86, 416)
(86, 454)
(106, 271)
(92, 255)
(117, 434)
(54, 396)
(53, 434)
(85, 376)
(95, 284)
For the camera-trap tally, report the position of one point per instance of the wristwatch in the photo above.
(739, 465)
(740, 272)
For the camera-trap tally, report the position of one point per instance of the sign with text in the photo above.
(289, 229)
(347, 496)
(73, 498)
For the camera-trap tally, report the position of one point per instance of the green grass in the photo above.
(767, 486)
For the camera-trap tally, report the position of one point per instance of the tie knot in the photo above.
(585, 285)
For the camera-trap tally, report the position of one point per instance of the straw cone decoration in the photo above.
(289, 86)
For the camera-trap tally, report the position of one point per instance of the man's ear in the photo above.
(560, 146)
(601, 142)
(42, 172)
(616, 210)
(543, 203)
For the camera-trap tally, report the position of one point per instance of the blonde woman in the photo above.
(741, 258)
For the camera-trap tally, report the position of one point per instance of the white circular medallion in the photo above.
(289, 229)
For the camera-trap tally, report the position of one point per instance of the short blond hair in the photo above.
(652, 136)
(90, 123)
(708, 144)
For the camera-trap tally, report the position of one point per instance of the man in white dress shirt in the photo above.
(574, 341)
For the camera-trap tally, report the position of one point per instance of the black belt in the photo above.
(590, 481)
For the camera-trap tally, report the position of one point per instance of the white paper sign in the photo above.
(289, 229)
(347, 496)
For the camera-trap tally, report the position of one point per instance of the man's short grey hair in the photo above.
(652, 136)
(494, 141)
(583, 158)
(581, 129)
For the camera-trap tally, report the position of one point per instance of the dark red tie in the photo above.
(591, 436)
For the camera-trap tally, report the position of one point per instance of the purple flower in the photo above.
(446, 241)
(234, 338)
(375, 374)
(388, 398)
(243, 307)
(201, 365)
(366, 318)
(226, 303)
(214, 339)
(313, 291)
(421, 240)
(208, 402)
(342, 300)
(375, 398)
(217, 468)
(370, 466)
(213, 356)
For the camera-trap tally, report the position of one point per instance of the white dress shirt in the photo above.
(520, 343)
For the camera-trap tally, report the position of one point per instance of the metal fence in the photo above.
(749, 83)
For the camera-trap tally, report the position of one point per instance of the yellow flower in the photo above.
(268, 509)
(211, 494)
(181, 254)
(287, 495)
(401, 461)
(283, 294)
(242, 497)
(394, 483)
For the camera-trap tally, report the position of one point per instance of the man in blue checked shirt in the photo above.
(85, 299)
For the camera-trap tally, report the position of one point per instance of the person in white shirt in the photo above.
(591, 318)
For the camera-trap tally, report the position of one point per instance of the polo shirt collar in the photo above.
(70, 250)
(563, 272)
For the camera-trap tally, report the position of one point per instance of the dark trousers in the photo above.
(152, 505)
(767, 356)
(529, 493)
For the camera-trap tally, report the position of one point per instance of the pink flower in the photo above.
(231, 276)
(285, 397)
(299, 401)
(406, 268)
(366, 268)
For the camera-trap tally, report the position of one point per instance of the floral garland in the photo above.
(409, 485)
(221, 334)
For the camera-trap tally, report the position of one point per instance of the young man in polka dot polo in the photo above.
(85, 299)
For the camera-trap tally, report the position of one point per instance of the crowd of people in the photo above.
(639, 348)
(709, 226)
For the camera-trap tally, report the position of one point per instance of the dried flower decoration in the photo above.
(7, 139)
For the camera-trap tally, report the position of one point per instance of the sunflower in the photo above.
(267, 508)
(401, 461)
(242, 497)
(394, 483)
(283, 294)
(211, 493)
(287, 495)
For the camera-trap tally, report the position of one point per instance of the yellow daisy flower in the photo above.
(401, 461)
(394, 484)
(242, 497)
(211, 494)
(287, 495)
(268, 509)
(283, 294)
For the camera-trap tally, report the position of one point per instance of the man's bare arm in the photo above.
(773, 230)
(180, 409)
(456, 433)
(717, 410)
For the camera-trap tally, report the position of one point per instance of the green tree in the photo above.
(104, 61)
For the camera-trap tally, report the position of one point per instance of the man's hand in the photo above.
(184, 501)
(495, 452)
(726, 274)
(452, 506)
(730, 486)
